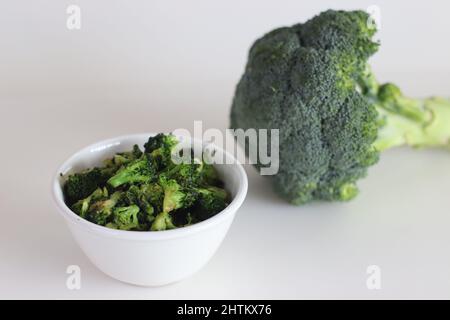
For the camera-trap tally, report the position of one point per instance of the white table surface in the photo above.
(159, 66)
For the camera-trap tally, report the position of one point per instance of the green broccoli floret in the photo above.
(211, 201)
(144, 191)
(125, 218)
(163, 221)
(100, 211)
(209, 176)
(312, 81)
(186, 173)
(161, 147)
(137, 171)
(175, 195)
(161, 140)
(153, 193)
(81, 207)
(123, 158)
(197, 172)
(149, 198)
(80, 185)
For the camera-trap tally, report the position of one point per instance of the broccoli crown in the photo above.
(210, 201)
(81, 207)
(305, 81)
(139, 170)
(100, 211)
(175, 195)
(80, 185)
(161, 147)
(126, 218)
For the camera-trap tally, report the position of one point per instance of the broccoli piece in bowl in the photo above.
(140, 170)
(80, 185)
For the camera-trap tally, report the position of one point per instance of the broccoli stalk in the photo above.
(407, 121)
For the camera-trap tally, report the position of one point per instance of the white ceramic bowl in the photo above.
(151, 258)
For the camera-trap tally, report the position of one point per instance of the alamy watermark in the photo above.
(73, 21)
(73, 281)
(262, 147)
(373, 281)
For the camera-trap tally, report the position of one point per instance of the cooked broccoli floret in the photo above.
(125, 218)
(122, 158)
(161, 140)
(175, 195)
(209, 176)
(80, 185)
(211, 200)
(186, 173)
(313, 83)
(100, 211)
(137, 171)
(161, 147)
(81, 207)
(134, 196)
(153, 193)
(163, 221)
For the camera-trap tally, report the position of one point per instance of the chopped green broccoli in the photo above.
(100, 211)
(312, 81)
(163, 221)
(80, 185)
(143, 191)
(81, 207)
(153, 193)
(161, 147)
(210, 201)
(126, 218)
(175, 195)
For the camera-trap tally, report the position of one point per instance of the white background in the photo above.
(140, 66)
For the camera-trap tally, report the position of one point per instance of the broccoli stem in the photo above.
(418, 123)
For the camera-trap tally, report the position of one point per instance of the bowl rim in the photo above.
(75, 219)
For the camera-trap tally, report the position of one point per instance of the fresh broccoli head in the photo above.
(312, 81)
(137, 171)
